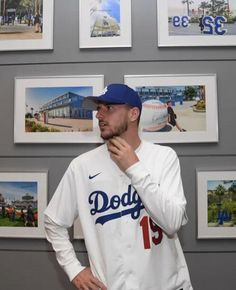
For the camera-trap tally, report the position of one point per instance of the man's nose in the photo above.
(100, 114)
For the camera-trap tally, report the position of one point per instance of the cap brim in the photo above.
(90, 103)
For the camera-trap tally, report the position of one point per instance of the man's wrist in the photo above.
(73, 270)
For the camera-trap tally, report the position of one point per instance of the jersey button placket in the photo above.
(127, 237)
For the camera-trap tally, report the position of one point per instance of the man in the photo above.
(172, 117)
(129, 198)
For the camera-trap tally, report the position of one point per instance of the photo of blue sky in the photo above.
(104, 18)
(111, 7)
(177, 7)
(212, 184)
(14, 190)
(36, 97)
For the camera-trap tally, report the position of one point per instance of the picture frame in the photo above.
(196, 23)
(27, 29)
(23, 199)
(77, 230)
(216, 205)
(105, 23)
(189, 95)
(49, 109)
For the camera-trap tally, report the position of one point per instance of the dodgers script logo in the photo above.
(101, 203)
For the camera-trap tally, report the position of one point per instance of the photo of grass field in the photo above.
(18, 204)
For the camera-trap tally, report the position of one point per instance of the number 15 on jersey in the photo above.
(152, 233)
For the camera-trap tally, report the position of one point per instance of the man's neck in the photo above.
(132, 139)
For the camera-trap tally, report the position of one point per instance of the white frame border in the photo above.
(203, 231)
(124, 40)
(21, 83)
(209, 80)
(42, 178)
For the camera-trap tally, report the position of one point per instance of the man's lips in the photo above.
(102, 124)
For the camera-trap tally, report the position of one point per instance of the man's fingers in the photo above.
(118, 142)
(113, 149)
(86, 281)
(99, 284)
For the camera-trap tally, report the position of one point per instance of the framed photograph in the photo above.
(104, 23)
(50, 109)
(180, 108)
(196, 23)
(77, 230)
(23, 199)
(26, 25)
(216, 195)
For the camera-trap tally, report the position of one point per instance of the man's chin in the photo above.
(106, 137)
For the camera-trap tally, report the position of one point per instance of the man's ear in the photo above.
(134, 114)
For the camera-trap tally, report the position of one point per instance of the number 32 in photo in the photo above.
(196, 23)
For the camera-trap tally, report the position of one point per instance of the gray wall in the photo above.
(27, 263)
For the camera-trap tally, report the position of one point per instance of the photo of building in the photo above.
(104, 18)
(57, 109)
(68, 105)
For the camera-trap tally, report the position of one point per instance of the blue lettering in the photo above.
(98, 206)
(115, 202)
(101, 204)
(126, 197)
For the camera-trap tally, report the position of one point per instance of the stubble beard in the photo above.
(117, 131)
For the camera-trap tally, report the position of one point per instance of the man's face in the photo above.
(112, 119)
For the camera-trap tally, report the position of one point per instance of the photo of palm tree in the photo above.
(221, 196)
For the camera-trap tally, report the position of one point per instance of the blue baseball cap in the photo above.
(115, 94)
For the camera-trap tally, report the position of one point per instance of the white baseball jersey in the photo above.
(129, 220)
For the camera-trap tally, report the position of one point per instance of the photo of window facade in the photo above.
(68, 105)
(57, 110)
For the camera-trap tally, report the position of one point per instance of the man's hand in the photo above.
(86, 281)
(121, 153)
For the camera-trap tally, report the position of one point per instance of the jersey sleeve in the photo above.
(59, 238)
(62, 208)
(164, 198)
(58, 217)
